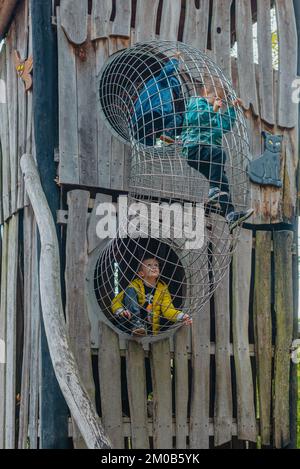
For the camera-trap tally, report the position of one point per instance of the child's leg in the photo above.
(210, 161)
(131, 301)
(217, 175)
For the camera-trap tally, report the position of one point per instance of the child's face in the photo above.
(149, 269)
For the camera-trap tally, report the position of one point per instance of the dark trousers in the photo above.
(210, 161)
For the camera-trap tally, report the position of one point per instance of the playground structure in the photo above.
(228, 381)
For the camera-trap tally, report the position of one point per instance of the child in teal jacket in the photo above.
(203, 130)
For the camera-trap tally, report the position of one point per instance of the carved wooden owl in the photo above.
(24, 69)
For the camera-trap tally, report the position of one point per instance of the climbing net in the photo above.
(188, 180)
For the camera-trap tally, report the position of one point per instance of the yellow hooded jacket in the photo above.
(162, 302)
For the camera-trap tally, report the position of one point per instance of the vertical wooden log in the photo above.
(265, 61)
(145, 23)
(68, 109)
(110, 385)
(288, 47)
(263, 331)
(181, 343)
(76, 311)
(246, 69)
(246, 420)
(195, 31)
(137, 394)
(221, 35)
(284, 332)
(24, 404)
(35, 341)
(170, 15)
(162, 395)
(199, 419)
(3, 322)
(11, 309)
(101, 12)
(74, 17)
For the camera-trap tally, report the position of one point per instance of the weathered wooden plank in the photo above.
(137, 394)
(246, 70)
(122, 22)
(68, 109)
(265, 61)
(30, 141)
(22, 31)
(110, 384)
(35, 341)
(263, 331)
(199, 420)
(87, 111)
(12, 98)
(103, 133)
(74, 18)
(284, 333)
(241, 278)
(24, 403)
(76, 312)
(11, 311)
(4, 135)
(145, 23)
(3, 322)
(162, 394)
(261, 212)
(93, 240)
(289, 174)
(181, 342)
(288, 48)
(117, 163)
(223, 396)
(221, 35)
(170, 16)
(101, 13)
(196, 24)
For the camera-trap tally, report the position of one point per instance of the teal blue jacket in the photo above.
(203, 126)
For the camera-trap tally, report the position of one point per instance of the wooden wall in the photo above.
(225, 381)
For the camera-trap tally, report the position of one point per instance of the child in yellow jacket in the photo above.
(148, 298)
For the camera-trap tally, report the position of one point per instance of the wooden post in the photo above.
(54, 426)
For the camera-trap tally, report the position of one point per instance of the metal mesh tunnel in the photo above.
(189, 155)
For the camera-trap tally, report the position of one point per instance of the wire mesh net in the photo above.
(188, 189)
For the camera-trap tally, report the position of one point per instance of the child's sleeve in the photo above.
(167, 308)
(167, 77)
(199, 113)
(117, 303)
(227, 119)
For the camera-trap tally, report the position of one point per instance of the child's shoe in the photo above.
(214, 195)
(237, 218)
(167, 139)
(137, 328)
